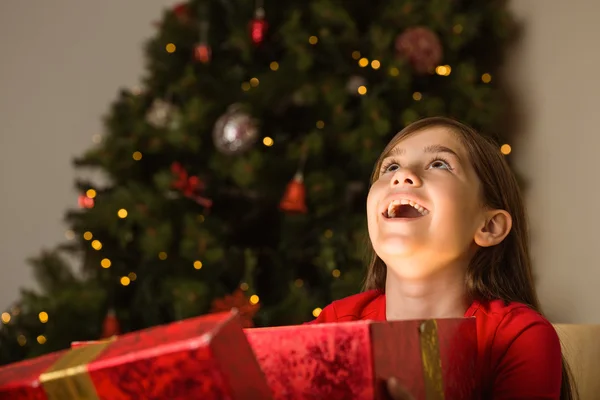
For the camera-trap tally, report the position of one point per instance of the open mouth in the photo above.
(403, 208)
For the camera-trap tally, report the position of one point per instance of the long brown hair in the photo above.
(498, 272)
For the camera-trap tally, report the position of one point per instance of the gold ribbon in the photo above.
(432, 363)
(68, 377)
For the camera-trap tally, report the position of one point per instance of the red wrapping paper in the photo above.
(352, 360)
(201, 358)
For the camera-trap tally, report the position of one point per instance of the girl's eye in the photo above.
(440, 164)
(390, 166)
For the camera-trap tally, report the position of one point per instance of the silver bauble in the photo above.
(235, 131)
(160, 113)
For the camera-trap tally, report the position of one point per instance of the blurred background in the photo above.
(64, 64)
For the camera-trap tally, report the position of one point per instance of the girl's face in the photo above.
(425, 208)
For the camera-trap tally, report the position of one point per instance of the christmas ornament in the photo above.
(421, 47)
(160, 113)
(110, 326)
(202, 51)
(237, 300)
(354, 83)
(85, 201)
(189, 186)
(235, 131)
(294, 198)
(182, 12)
(258, 26)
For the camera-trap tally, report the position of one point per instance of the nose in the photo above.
(405, 177)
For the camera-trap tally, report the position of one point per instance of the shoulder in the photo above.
(506, 321)
(519, 348)
(361, 306)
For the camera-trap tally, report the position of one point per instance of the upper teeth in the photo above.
(392, 207)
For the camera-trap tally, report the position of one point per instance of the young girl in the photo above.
(449, 238)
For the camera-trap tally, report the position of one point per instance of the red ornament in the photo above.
(237, 300)
(421, 47)
(189, 186)
(110, 326)
(294, 199)
(202, 53)
(258, 26)
(182, 12)
(85, 201)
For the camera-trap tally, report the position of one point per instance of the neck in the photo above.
(440, 296)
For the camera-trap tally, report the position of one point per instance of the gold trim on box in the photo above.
(68, 377)
(432, 363)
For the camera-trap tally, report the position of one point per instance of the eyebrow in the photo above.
(434, 148)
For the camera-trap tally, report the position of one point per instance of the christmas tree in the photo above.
(237, 174)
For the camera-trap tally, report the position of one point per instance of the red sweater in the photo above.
(519, 353)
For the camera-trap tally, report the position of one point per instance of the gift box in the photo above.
(206, 357)
(432, 359)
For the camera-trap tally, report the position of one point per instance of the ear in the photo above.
(495, 227)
